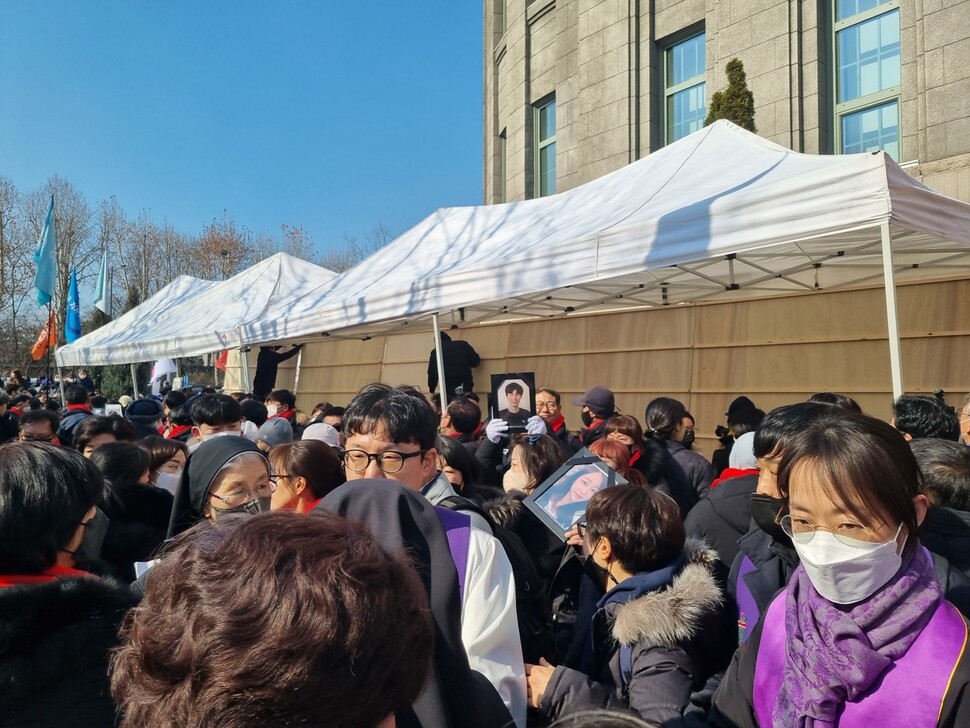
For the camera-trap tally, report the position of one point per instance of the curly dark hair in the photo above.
(283, 619)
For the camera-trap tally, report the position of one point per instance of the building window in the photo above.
(867, 76)
(500, 11)
(685, 91)
(502, 165)
(545, 148)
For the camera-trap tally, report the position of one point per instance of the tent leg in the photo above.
(60, 377)
(296, 377)
(244, 363)
(134, 381)
(442, 394)
(892, 312)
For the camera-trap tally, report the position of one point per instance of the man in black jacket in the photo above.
(8, 420)
(267, 365)
(459, 358)
(945, 467)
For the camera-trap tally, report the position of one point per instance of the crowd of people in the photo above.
(212, 558)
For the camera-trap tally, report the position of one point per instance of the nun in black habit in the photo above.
(456, 696)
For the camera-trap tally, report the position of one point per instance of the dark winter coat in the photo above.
(69, 423)
(139, 516)
(723, 517)
(9, 427)
(55, 641)
(668, 630)
(947, 532)
(542, 544)
(699, 473)
(458, 359)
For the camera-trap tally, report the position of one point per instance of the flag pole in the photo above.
(50, 312)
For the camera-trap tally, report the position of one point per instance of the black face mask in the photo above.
(587, 417)
(688, 440)
(253, 508)
(767, 513)
(599, 574)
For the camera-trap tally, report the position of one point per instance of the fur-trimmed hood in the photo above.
(675, 613)
(508, 510)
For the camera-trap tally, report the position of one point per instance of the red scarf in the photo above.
(177, 430)
(79, 408)
(635, 456)
(559, 423)
(55, 572)
(478, 430)
(733, 473)
(285, 415)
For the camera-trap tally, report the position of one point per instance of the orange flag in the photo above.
(222, 360)
(48, 337)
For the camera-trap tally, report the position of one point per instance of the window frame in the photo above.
(683, 85)
(540, 144)
(869, 101)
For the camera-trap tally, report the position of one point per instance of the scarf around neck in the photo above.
(835, 654)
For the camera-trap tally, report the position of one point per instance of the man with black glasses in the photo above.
(390, 433)
(40, 426)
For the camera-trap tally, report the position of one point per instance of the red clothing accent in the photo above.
(558, 424)
(55, 572)
(177, 430)
(17, 411)
(635, 456)
(79, 408)
(283, 415)
(478, 430)
(312, 505)
(733, 473)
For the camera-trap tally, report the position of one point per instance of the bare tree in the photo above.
(16, 272)
(355, 250)
(223, 249)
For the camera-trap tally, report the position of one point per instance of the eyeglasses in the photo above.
(242, 497)
(803, 532)
(389, 461)
(581, 527)
(546, 405)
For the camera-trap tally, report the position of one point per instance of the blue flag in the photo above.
(72, 324)
(45, 256)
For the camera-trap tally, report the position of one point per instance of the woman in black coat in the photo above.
(138, 511)
(650, 641)
(58, 624)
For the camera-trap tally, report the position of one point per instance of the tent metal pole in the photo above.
(244, 364)
(134, 381)
(892, 312)
(60, 377)
(296, 377)
(442, 394)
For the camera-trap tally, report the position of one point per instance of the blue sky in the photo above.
(332, 115)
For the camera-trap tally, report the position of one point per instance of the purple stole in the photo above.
(458, 529)
(748, 612)
(909, 693)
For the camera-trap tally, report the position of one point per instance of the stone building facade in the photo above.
(574, 89)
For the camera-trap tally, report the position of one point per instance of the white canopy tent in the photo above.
(190, 317)
(720, 213)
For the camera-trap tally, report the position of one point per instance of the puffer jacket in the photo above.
(669, 629)
(545, 548)
(699, 473)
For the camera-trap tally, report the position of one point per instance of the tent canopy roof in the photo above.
(190, 317)
(717, 214)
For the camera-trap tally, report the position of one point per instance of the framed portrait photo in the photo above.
(513, 398)
(560, 501)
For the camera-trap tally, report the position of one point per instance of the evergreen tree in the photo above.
(736, 102)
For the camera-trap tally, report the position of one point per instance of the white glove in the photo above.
(496, 430)
(536, 425)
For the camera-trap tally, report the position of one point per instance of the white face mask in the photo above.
(249, 430)
(168, 481)
(272, 409)
(228, 433)
(847, 573)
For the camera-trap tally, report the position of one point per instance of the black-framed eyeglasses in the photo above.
(38, 438)
(389, 461)
(581, 527)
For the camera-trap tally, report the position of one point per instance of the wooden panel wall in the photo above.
(775, 350)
